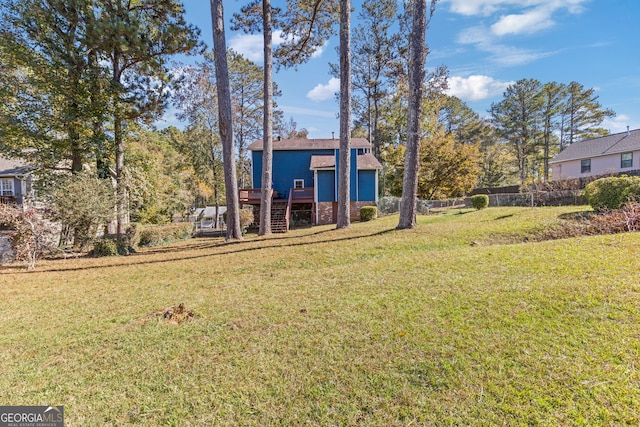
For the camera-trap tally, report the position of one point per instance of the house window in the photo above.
(585, 166)
(626, 160)
(6, 187)
(298, 183)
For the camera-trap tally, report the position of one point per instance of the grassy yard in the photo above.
(320, 327)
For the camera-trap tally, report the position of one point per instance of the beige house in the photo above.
(611, 154)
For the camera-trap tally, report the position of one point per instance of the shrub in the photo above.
(30, 235)
(612, 192)
(82, 203)
(367, 213)
(480, 201)
(246, 219)
(164, 234)
(104, 247)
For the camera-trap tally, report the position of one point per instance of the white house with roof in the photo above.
(15, 180)
(611, 154)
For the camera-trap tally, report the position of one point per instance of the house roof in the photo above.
(322, 162)
(365, 161)
(610, 144)
(368, 161)
(10, 167)
(309, 144)
(210, 211)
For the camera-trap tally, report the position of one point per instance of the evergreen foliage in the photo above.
(480, 201)
(612, 192)
(368, 213)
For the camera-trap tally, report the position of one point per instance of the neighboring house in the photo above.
(305, 180)
(206, 217)
(15, 181)
(611, 154)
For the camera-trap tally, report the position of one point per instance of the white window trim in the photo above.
(2, 187)
(296, 181)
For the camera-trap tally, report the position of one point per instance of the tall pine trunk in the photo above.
(225, 121)
(416, 80)
(344, 179)
(267, 139)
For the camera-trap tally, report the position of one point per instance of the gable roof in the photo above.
(9, 167)
(365, 161)
(309, 144)
(610, 144)
(322, 162)
(368, 161)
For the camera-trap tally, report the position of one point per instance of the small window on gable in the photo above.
(585, 166)
(6, 187)
(298, 183)
(626, 160)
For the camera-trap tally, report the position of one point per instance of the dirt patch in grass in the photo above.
(173, 315)
(577, 224)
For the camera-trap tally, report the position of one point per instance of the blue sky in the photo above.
(486, 45)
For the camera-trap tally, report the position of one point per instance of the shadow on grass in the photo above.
(503, 217)
(578, 216)
(235, 247)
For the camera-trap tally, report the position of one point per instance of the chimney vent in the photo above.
(333, 135)
(628, 133)
(279, 138)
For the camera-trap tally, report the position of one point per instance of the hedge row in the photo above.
(158, 235)
(613, 192)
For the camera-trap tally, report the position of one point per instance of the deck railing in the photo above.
(301, 195)
(250, 195)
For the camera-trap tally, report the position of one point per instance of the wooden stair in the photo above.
(279, 213)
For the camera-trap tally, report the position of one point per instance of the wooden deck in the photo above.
(252, 196)
(280, 207)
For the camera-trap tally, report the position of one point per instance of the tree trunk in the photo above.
(267, 139)
(344, 178)
(225, 121)
(416, 79)
(121, 196)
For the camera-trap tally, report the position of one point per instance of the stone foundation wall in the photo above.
(355, 209)
(325, 211)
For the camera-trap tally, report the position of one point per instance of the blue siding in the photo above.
(256, 169)
(294, 164)
(287, 166)
(353, 190)
(367, 186)
(326, 186)
(352, 174)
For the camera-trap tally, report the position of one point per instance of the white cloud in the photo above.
(299, 111)
(170, 118)
(619, 123)
(517, 16)
(476, 88)
(319, 50)
(489, 7)
(323, 92)
(500, 53)
(523, 23)
(251, 45)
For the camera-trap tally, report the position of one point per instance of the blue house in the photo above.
(305, 180)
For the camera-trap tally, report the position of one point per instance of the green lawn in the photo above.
(320, 327)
